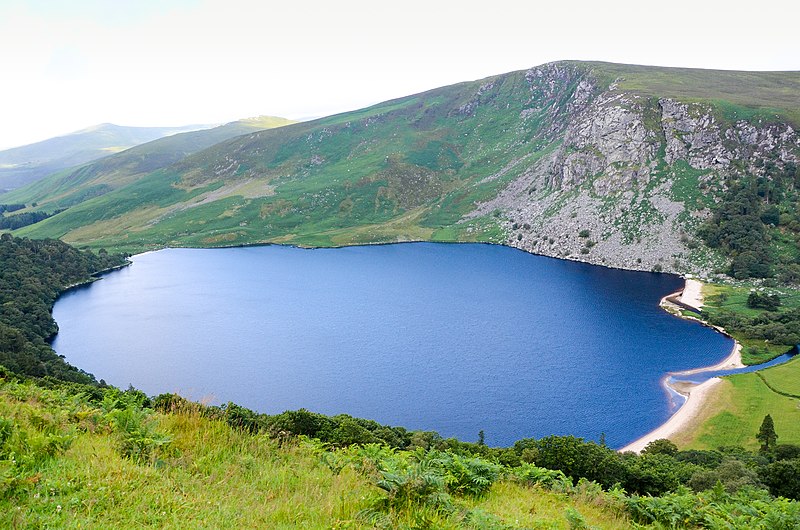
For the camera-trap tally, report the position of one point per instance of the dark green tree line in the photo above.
(32, 275)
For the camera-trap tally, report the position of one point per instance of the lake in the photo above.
(455, 338)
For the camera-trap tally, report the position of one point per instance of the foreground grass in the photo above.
(214, 476)
(737, 407)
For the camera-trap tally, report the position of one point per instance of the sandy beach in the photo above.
(692, 294)
(679, 420)
(695, 394)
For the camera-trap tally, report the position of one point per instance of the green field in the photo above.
(784, 379)
(721, 298)
(736, 409)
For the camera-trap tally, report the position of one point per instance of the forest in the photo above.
(32, 275)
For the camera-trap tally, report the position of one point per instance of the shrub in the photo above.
(661, 446)
(467, 476)
(782, 478)
(580, 459)
(532, 475)
(407, 484)
(137, 434)
(732, 474)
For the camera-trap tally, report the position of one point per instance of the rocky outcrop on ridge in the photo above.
(617, 189)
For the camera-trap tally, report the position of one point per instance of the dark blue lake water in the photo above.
(452, 338)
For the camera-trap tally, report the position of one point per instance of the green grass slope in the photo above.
(74, 185)
(739, 95)
(737, 408)
(80, 464)
(99, 458)
(406, 169)
(22, 165)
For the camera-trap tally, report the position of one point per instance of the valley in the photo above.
(662, 170)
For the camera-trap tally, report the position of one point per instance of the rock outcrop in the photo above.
(614, 190)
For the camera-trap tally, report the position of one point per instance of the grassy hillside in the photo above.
(402, 170)
(75, 185)
(414, 168)
(740, 95)
(210, 475)
(100, 458)
(22, 165)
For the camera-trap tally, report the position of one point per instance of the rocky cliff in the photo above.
(632, 175)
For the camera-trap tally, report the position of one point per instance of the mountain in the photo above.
(613, 164)
(77, 184)
(22, 165)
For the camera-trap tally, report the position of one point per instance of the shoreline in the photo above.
(690, 296)
(694, 394)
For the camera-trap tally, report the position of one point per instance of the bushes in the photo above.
(778, 328)
(27, 443)
(467, 476)
(748, 508)
(137, 434)
(782, 478)
(655, 474)
(732, 474)
(770, 302)
(580, 459)
(532, 475)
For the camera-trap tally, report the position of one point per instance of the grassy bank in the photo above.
(70, 470)
(737, 407)
(77, 456)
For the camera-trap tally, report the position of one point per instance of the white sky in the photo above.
(68, 64)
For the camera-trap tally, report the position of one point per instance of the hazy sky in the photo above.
(68, 64)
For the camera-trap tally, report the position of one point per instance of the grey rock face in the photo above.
(612, 173)
(692, 134)
(607, 139)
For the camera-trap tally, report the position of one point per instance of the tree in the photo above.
(733, 474)
(770, 302)
(782, 478)
(766, 435)
(771, 216)
(662, 446)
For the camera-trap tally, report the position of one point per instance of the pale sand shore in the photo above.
(692, 294)
(695, 394)
(681, 419)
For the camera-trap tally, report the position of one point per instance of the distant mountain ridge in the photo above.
(611, 164)
(77, 184)
(25, 164)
